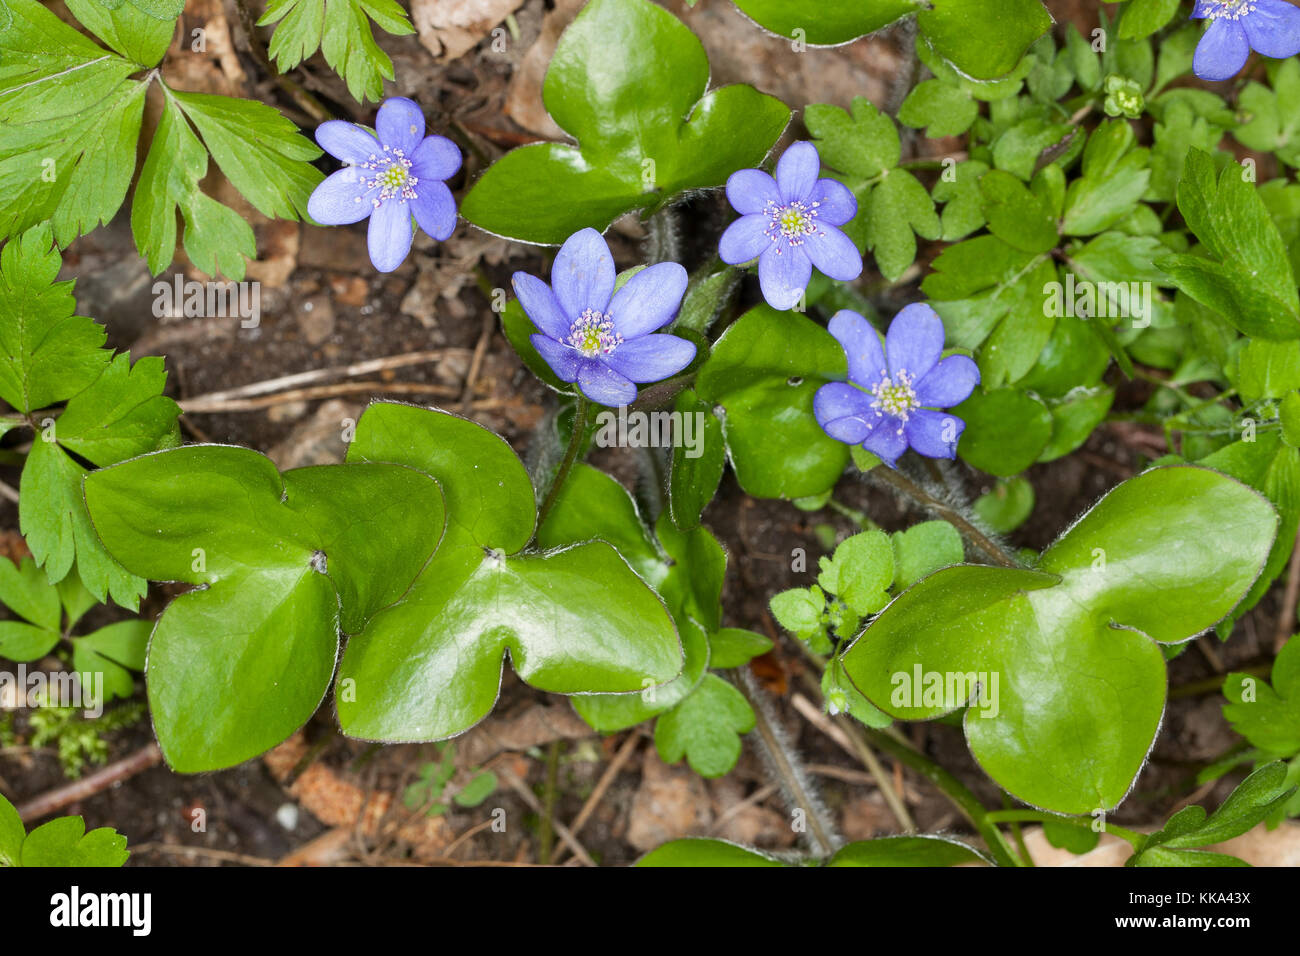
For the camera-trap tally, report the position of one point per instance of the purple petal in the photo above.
(861, 346)
(435, 158)
(783, 274)
(949, 383)
(389, 238)
(541, 306)
(834, 253)
(1273, 29)
(1222, 52)
(346, 141)
(797, 171)
(562, 359)
(435, 209)
(844, 412)
(602, 384)
(340, 199)
(583, 273)
(1202, 8)
(934, 434)
(400, 124)
(887, 439)
(651, 358)
(744, 239)
(750, 190)
(836, 204)
(914, 341)
(648, 301)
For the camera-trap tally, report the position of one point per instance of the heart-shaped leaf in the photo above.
(278, 561)
(627, 81)
(574, 621)
(1061, 664)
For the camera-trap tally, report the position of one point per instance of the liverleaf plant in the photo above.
(574, 620)
(1075, 642)
(61, 842)
(279, 564)
(627, 81)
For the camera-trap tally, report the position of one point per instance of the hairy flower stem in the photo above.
(785, 765)
(900, 482)
(663, 243)
(580, 414)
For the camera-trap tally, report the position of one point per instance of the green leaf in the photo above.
(1007, 506)
(1073, 419)
(705, 728)
(341, 30)
(1141, 18)
(477, 790)
(905, 851)
(113, 651)
(65, 843)
(944, 108)
(49, 354)
(216, 238)
(1115, 176)
(128, 28)
(894, 210)
(1268, 716)
(260, 152)
(860, 572)
(1272, 117)
(735, 647)
(122, 414)
(1247, 275)
(862, 142)
(699, 852)
(1268, 369)
(695, 472)
(1015, 215)
(12, 834)
(1006, 431)
(24, 590)
(959, 190)
(923, 549)
(763, 372)
(983, 38)
(825, 22)
(429, 666)
(799, 610)
(1249, 804)
(1071, 677)
(277, 554)
(627, 81)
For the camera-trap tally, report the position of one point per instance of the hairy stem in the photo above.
(570, 456)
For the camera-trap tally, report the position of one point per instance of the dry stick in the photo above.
(476, 361)
(755, 798)
(530, 798)
(843, 733)
(469, 834)
(1286, 620)
(785, 766)
(283, 382)
(330, 391)
(603, 784)
(7, 491)
(85, 788)
(227, 856)
(971, 533)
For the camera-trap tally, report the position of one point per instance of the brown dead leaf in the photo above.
(530, 725)
(524, 97)
(671, 802)
(450, 28)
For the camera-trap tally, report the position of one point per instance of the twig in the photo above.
(283, 382)
(476, 361)
(327, 391)
(87, 787)
(6, 491)
(227, 856)
(606, 780)
(535, 805)
(550, 789)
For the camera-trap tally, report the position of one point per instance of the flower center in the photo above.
(1229, 9)
(391, 175)
(894, 396)
(593, 332)
(791, 221)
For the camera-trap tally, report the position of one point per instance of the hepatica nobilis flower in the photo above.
(606, 341)
(1270, 27)
(789, 225)
(390, 175)
(894, 395)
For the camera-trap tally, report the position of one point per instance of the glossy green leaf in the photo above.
(1007, 506)
(574, 620)
(1071, 678)
(825, 22)
(700, 852)
(65, 843)
(906, 851)
(735, 647)
(763, 372)
(695, 472)
(983, 38)
(280, 560)
(1006, 431)
(923, 549)
(627, 81)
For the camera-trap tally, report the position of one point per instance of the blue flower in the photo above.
(390, 175)
(896, 392)
(788, 224)
(599, 338)
(1270, 27)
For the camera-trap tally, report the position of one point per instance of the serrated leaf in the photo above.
(65, 843)
(1268, 715)
(706, 728)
